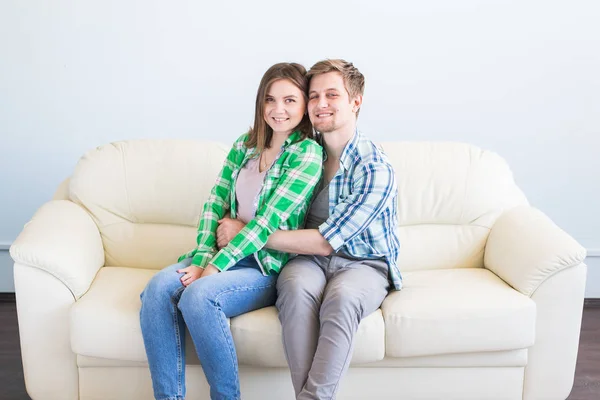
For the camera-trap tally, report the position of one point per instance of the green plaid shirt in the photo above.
(282, 203)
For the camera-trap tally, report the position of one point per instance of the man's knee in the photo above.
(341, 301)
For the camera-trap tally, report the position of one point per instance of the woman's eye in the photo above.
(269, 100)
(290, 100)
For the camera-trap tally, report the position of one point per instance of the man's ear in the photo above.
(357, 102)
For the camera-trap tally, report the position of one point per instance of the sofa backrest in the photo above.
(449, 195)
(146, 197)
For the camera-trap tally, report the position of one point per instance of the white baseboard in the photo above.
(593, 252)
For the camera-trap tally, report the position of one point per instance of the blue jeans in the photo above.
(204, 306)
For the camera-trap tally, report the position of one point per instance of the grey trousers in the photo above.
(321, 301)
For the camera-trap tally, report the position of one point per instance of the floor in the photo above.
(587, 374)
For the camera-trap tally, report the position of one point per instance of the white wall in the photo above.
(518, 77)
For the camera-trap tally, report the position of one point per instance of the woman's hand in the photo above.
(227, 230)
(209, 270)
(191, 274)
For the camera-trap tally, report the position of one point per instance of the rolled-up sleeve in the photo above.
(293, 191)
(373, 189)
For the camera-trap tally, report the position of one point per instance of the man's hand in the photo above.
(191, 274)
(227, 230)
(209, 270)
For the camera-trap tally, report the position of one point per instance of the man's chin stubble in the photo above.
(324, 129)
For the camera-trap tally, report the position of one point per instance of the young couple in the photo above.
(347, 250)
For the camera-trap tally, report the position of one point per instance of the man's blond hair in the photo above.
(354, 81)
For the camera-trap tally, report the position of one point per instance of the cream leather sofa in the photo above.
(491, 307)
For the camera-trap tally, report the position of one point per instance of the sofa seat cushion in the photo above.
(456, 311)
(258, 340)
(105, 324)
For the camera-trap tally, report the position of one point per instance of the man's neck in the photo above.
(335, 141)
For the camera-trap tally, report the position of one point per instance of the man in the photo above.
(348, 251)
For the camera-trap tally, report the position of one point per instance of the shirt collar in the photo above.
(350, 151)
(292, 138)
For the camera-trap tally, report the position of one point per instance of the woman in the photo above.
(267, 181)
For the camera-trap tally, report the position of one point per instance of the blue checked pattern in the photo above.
(363, 195)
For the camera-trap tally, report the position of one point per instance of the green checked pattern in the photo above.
(282, 203)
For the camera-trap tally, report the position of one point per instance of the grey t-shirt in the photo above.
(319, 212)
(319, 209)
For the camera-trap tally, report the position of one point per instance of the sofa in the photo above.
(490, 309)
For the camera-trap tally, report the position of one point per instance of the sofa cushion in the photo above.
(257, 336)
(105, 324)
(449, 196)
(146, 196)
(456, 311)
(451, 183)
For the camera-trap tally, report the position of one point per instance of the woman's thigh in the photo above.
(167, 280)
(235, 291)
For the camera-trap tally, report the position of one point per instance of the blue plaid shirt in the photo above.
(363, 195)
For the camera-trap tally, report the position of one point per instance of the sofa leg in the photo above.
(43, 307)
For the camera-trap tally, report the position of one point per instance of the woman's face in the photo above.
(284, 106)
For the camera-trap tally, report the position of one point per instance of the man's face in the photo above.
(329, 106)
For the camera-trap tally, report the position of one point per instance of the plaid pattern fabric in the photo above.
(282, 203)
(363, 220)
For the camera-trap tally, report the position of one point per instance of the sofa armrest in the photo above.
(525, 248)
(62, 192)
(63, 240)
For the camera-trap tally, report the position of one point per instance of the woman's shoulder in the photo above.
(241, 140)
(308, 144)
(305, 151)
(239, 151)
